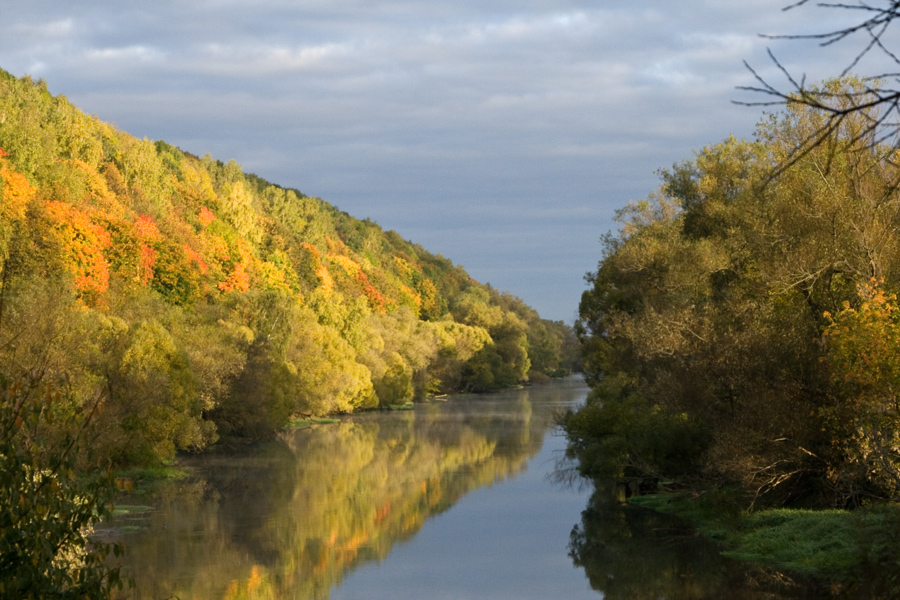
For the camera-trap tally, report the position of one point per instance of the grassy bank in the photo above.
(845, 550)
(303, 423)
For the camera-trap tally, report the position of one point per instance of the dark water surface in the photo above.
(451, 500)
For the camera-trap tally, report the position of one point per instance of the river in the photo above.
(454, 499)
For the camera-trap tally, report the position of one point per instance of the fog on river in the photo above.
(457, 498)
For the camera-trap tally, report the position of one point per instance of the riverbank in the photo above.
(844, 553)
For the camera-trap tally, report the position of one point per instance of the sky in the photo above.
(502, 134)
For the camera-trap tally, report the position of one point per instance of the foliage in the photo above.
(48, 506)
(863, 355)
(622, 437)
(196, 300)
(732, 330)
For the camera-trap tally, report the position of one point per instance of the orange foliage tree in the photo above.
(83, 242)
(17, 191)
(242, 262)
(148, 234)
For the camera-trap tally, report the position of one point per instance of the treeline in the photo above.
(743, 330)
(185, 300)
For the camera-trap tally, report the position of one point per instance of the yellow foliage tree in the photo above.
(863, 354)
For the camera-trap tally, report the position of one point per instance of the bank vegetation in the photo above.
(741, 336)
(742, 329)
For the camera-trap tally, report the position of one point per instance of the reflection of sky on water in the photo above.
(508, 540)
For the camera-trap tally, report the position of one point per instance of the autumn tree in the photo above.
(195, 299)
(704, 332)
(862, 348)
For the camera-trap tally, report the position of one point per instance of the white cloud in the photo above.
(125, 54)
(427, 116)
(518, 28)
(43, 31)
(256, 60)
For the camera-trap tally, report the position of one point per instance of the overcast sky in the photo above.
(502, 134)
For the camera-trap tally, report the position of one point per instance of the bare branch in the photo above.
(877, 103)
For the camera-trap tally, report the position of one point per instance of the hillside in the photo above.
(185, 300)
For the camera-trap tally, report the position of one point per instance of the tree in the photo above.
(190, 295)
(705, 322)
(154, 407)
(863, 353)
(47, 505)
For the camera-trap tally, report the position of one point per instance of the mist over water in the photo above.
(459, 498)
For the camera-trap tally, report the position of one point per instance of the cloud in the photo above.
(505, 133)
(124, 55)
(43, 31)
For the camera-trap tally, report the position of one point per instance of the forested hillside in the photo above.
(744, 330)
(181, 299)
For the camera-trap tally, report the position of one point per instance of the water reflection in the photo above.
(632, 553)
(290, 518)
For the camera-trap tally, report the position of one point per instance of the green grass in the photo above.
(303, 423)
(713, 513)
(829, 545)
(127, 518)
(130, 528)
(820, 543)
(141, 480)
(159, 473)
(403, 406)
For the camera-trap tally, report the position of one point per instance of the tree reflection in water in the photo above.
(290, 518)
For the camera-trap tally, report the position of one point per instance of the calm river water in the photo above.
(452, 500)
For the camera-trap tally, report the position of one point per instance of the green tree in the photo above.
(154, 407)
(150, 185)
(399, 354)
